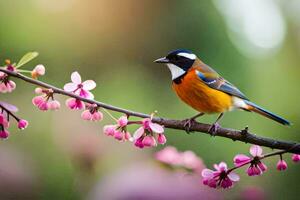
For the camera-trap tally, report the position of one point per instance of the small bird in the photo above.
(206, 91)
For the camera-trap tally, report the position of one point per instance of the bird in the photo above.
(202, 88)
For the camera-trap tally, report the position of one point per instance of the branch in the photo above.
(235, 135)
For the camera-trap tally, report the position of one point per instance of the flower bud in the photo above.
(22, 124)
(281, 165)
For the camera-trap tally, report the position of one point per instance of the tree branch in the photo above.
(236, 135)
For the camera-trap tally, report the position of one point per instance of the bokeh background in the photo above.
(255, 44)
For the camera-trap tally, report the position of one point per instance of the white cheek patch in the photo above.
(188, 55)
(175, 71)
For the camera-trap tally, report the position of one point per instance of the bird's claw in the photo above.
(213, 129)
(187, 124)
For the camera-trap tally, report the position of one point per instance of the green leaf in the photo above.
(26, 58)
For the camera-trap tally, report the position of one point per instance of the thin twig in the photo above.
(235, 135)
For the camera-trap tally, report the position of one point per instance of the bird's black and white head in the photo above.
(179, 62)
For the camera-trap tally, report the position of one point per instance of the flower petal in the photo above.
(76, 78)
(255, 150)
(70, 87)
(241, 159)
(138, 133)
(89, 85)
(233, 176)
(207, 173)
(222, 166)
(156, 127)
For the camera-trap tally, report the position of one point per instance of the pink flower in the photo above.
(256, 166)
(75, 104)
(139, 143)
(221, 177)
(4, 134)
(39, 70)
(118, 131)
(80, 88)
(22, 124)
(6, 85)
(46, 100)
(281, 165)
(109, 130)
(191, 161)
(3, 122)
(169, 155)
(145, 135)
(54, 105)
(122, 121)
(296, 157)
(187, 159)
(92, 116)
(40, 102)
(161, 139)
(149, 141)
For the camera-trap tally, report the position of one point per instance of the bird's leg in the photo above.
(215, 126)
(188, 122)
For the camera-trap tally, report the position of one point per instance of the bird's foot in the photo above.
(213, 129)
(188, 124)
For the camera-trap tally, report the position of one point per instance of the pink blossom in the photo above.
(92, 115)
(153, 127)
(75, 104)
(44, 106)
(37, 100)
(39, 70)
(221, 177)
(4, 124)
(40, 102)
(11, 68)
(169, 155)
(145, 135)
(46, 100)
(296, 157)
(119, 130)
(149, 141)
(139, 143)
(241, 159)
(7, 86)
(38, 90)
(122, 121)
(109, 130)
(80, 88)
(281, 165)
(54, 105)
(4, 134)
(3, 121)
(256, 166)
(191, 161)
(187, 159)
(161, 139)
(118, 135)
(22, 124)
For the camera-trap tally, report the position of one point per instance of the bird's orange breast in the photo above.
(201, 97)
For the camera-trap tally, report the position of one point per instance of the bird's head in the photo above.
(178, 61)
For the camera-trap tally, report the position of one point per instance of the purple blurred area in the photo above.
(17, 176)
(146, 181)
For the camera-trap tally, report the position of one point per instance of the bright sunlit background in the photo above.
(254, 44)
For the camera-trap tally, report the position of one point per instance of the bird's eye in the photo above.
(176, 57)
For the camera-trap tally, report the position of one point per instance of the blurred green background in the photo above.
(253, 44)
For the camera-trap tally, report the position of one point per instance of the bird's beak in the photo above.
(162, 60)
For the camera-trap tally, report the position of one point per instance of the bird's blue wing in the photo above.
(217, 82)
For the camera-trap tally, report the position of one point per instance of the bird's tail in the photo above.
(255, 108)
